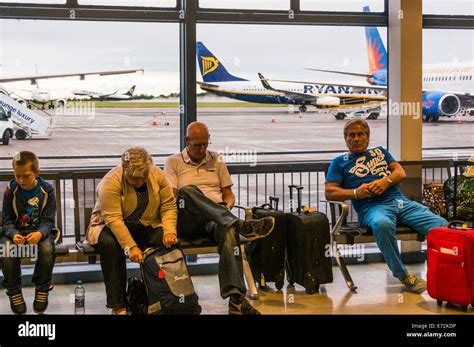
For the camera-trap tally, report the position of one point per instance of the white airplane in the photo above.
(217, 80)
(42, 97)
(106, 96)
(447, 88)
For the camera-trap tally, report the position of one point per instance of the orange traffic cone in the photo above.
(273, 119)
(154, 122)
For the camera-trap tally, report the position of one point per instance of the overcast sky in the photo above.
(276, 51)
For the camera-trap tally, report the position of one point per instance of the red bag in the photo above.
(450, 275)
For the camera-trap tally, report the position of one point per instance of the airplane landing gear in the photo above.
(303, 108)
(426, 118)
(340, 116)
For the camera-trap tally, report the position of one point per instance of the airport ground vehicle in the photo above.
(6, 126)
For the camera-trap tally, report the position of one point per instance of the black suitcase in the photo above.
(266, 256)
(307, 247)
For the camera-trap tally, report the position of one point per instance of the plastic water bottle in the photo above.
(79, 299)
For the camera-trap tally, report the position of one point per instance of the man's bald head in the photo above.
(197, 129)
(197, 140)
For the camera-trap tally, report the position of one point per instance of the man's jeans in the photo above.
(383, 219)
(199, 216)
(43, 272)
(113, 261)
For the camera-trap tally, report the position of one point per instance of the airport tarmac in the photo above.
(79, 135)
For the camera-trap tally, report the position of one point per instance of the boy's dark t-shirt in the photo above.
(30, 213)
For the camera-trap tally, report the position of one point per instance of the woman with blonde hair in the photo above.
(135, 209)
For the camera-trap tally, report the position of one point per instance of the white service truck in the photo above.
(6, 126)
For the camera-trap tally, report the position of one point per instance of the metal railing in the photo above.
(252, 186)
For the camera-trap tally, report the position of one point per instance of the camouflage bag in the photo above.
(464, 198)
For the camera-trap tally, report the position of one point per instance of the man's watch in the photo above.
(126, 250)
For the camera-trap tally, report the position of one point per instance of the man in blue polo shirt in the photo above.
(370, 178)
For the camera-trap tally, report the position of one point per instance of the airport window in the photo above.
(135, 3)
(447, 102)
(342, 5)
(35, 1)
(456, 7)
(243, 51)
(112, 115)
(246, 4)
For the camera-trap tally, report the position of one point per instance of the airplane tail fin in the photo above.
(130, 91)
(212, 70)
(376, 52)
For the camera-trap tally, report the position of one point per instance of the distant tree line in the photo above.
(162, 96)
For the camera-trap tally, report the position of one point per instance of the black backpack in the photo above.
(137, 297)
(168, 284)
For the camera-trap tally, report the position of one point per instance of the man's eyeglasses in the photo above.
(199, 145)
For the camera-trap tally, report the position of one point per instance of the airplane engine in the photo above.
(436, 104)
(328, 101)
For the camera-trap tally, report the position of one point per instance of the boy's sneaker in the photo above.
(241, 307)
(17, 302)
(120, 311)
(256, 228)
(414, 284)
(40, 304)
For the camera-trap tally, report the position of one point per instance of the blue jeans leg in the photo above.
(43, 273)
(11, 268)
(419, 217)
(382, 219)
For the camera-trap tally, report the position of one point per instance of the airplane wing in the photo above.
(355, 86)
(341, 72)
(81, 75)
(291, 95)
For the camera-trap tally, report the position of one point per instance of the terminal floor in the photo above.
(378, 293)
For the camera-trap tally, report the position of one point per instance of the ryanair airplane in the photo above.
(217, 80)
(100, 95)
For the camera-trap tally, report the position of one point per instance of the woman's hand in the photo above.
(169, 240)
(136, 255)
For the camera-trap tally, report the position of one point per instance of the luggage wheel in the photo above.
(465, 308)
(439, 302)
(312, 290)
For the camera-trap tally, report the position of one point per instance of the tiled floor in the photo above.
(378, 293)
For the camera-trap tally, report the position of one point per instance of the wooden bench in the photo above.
(61, 250)
(84, 194)
(343, 232)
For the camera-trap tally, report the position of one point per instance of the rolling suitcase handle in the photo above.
(458, 225)
(299, 190)
(274, 202)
